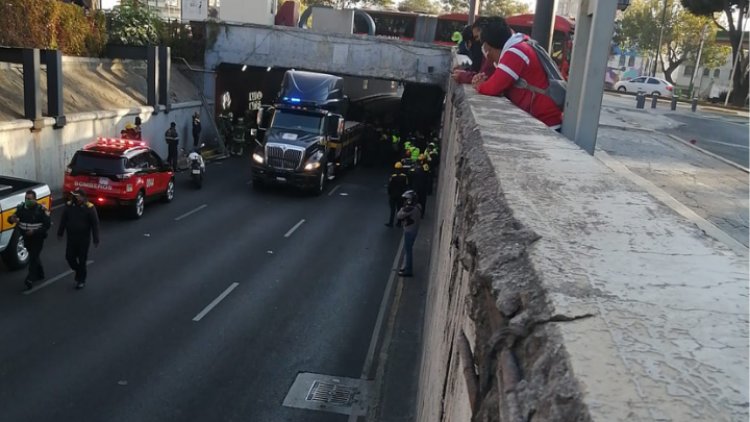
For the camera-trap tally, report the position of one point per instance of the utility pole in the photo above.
(544, 23)
(661, 37)
(704, 32)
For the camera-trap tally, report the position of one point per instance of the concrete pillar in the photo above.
(594, 28)
(640, 100)
(694, 105)
(152, 77)
(673, 104)
(165, 67)
(32, 101)
(53, 60)
(654, 101)
(473, 11)
(544, 23)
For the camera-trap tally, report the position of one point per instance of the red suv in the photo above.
(118, 172)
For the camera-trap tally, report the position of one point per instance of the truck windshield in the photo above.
(84, 163)
(297, 121)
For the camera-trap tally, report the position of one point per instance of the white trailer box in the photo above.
(260, 12)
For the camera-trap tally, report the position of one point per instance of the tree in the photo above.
(642, 25)
(422, 6)
(132, 23)
(489, 7)
(683, 41)
(734, 13)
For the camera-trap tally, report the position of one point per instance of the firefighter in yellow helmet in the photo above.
(398, 183)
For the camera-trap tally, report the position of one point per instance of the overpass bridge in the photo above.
(283, 47)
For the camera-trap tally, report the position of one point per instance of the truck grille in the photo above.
(279, 158)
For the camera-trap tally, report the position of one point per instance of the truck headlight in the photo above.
(258, 158)
(314, 165)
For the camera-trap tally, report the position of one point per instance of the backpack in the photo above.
(558, 86)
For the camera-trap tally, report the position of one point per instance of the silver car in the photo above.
(649, 85)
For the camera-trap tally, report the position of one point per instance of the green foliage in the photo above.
(421, 6)
(132, 23)
(51, 24)
(734, 12)
(642, 24)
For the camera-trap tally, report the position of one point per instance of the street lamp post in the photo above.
(704, 32)
(661, 37)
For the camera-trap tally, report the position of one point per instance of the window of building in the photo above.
(688, 70)
(717, 73)
(706, 72)
(622, 60)
(631, 61)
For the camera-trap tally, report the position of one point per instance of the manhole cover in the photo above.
(326, 392)
(346, 396)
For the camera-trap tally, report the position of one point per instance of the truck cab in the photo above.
(306, 139)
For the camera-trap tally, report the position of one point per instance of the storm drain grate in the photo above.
(335, 394)
(345, 396)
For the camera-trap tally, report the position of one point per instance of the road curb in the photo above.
(640, 129)
(709, 153)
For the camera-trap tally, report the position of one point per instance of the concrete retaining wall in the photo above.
(43, 155)
(563, 292)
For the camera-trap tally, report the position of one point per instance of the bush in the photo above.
(51, 24)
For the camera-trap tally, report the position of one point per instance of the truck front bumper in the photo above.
(300, 179)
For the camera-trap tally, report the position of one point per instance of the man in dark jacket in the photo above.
(196, 130)
(397, 185)
(32, 221)
(173, 140)
(80, 221)
(420, 183)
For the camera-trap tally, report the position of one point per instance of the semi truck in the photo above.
(12, 194)
(305, 139)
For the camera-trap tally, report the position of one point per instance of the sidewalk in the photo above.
(400, 358)
(711, 188)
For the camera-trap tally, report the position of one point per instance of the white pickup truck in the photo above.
(12, 194)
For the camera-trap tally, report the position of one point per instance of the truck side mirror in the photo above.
(335, 126)
(265, 113)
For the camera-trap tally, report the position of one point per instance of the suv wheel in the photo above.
(169, 193)
(136, 210)
(16, 255)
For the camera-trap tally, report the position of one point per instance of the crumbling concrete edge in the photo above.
(522, 366)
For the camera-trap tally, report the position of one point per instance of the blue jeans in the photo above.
(409, 238)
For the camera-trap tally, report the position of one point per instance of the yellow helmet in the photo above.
(129, 126)
(398, 165)
(421, 157)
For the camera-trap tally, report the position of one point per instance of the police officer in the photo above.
(173, 140)
(397, 185)
(408, 215)
(33, 222)
(81, 222)
(196, 129)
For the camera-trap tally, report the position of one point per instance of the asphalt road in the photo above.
(127, 347)
(723, 134)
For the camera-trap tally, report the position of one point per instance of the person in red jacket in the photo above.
(514, 58)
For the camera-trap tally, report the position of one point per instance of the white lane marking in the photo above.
(370, 358)
(335, 188)
(293, 229)
(216, 301)
(723, 143)
(52, 280)
(189, 213)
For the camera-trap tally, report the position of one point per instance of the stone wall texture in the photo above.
(559, 291)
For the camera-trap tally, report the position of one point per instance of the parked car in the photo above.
(648, 85)
(12, 194)
(117, 172)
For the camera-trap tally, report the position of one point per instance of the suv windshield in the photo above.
(297, 121)
(85, 163)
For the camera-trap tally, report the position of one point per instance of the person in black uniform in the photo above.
(33, 222)
(397, 185)
(173, 140)
(196, 129)
(420, 182)
(81, 222)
